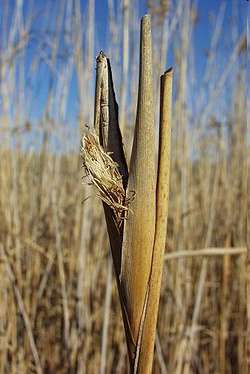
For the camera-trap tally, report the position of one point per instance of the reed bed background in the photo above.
(59, 308)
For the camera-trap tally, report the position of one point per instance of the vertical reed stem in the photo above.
(140, 227)
(162, 196)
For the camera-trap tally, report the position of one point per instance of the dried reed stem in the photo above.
(206, 252)
(21, 307)
(139, 252)
(139, 229)
(162, 195)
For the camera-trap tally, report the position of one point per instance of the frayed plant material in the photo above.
(102, 172)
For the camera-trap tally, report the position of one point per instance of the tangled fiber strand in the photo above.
(103, 173)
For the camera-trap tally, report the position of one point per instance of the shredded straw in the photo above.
(103, 173)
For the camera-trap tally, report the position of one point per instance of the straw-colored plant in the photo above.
(137, 239)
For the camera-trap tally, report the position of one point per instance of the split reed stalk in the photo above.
(137, 239)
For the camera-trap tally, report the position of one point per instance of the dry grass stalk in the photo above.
(162, 195)
(139, 229)
(142, 242)
(206, 252)
(24, 314)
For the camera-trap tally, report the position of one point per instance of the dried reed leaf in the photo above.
(108, 132)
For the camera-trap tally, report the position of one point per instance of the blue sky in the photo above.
(45, 10)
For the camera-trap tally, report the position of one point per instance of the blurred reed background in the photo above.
(59, 310)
